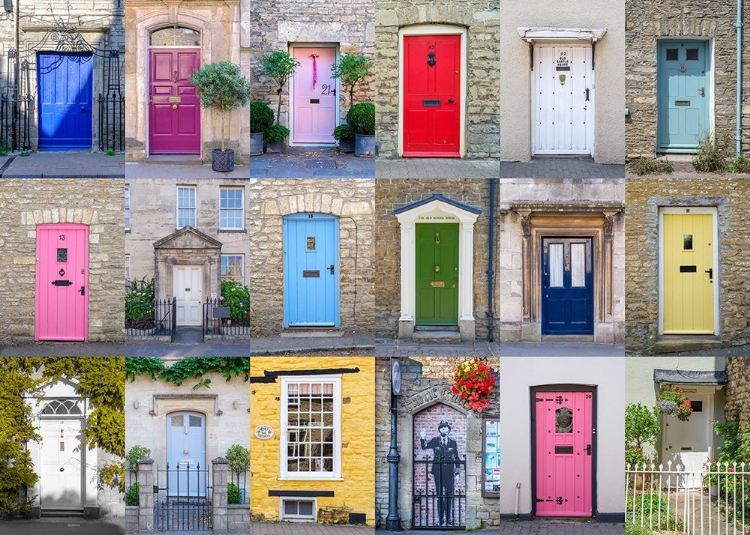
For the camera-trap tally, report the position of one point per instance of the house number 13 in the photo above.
(62, 237)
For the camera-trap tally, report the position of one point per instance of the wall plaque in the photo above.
(263, 432)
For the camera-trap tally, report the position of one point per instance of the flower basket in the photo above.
(673, 402)
(474, 382)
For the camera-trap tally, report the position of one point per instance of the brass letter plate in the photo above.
(437, 284)
(175, 99)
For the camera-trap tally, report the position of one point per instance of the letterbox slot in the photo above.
(434, 103)
(688, 269)
(311, 273)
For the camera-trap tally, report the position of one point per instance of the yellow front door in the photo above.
(689, 273)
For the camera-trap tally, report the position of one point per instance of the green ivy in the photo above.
(188, 368)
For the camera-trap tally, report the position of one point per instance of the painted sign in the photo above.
(491, 475)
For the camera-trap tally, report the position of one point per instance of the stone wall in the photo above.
(738, 389)
(654, 19)
(426, 387)
(277, 24)
(352, 201)
(395, 193)
(643, 198)
(482, 20)
(24, 204)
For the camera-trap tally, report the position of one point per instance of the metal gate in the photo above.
(439, 494)
(182, 499)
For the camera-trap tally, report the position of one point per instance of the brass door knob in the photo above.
(437, 269)
(174, 106)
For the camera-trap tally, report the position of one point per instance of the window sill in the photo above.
(233, 230)
(295, 478)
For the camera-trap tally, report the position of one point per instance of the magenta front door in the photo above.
(564, 450)
(174, 107)
(314, 96)
(62, 252)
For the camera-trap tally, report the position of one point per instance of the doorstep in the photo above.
(436, 335)
(575, 338)
(678, 343)
(312, 332)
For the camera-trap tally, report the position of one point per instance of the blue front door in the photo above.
(311, 267)
(186, 454)
(65, 100)
(567, 286)
(682, 94)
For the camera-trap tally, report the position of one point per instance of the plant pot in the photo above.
(364, 145)
(346, 145)
(222, 161)
(275, 146)
(256, 143)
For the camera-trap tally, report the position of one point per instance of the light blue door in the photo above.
(311, 267)
(186, 454)
(682, 93)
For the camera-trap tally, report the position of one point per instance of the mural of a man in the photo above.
(444, 471)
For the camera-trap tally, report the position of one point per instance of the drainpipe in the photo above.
(490, 263)
(738, 133)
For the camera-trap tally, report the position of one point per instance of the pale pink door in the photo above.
(62, 252)
(564, 452)
(314, 97)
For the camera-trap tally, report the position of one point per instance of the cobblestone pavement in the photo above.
(400, 348)
(305, 162)
(559, 527)
(360, 343)
(560, 168)
(63, 349)
(307, 528)
(436, 168)
(65, 165)
(560, 349)
(134, 170)
(239, 348)
(63, 526)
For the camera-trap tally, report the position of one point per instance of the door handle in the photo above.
(710, 272)
(450, 100)
(702, 91)
(587, 94)
(82, 291)
(332, 269)
(588, 449)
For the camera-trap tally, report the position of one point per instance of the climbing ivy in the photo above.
(187, 368)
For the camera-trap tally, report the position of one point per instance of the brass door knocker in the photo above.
(437, 238)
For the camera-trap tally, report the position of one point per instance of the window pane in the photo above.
(310, 427)
(230, 212)
(185, 207)
(692, 54)
(672, 54)
(231, 268)
(578, 264)
(196, 421)
(290, 507)
(305, 508)
(556, 265)
(177, 421)
(687, 242)
(175, 36)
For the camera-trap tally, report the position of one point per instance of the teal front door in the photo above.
(682, 92)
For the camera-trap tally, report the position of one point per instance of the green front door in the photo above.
(437, 274)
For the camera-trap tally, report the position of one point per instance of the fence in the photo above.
(240, 481)
(112, 107)
(160, 321)
(439, 494)
(218, 320)
(707, 500)
(182, 500)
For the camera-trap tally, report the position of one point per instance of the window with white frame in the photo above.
(231, 209)
(311, 427)
(127, 208)
(185, 206)
(298, 509)
(232, 268)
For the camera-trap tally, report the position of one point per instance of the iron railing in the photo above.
(218, 320)
(439, 494)
(161, 321)
(707, 500)
(16, 105)
(182, 500)
(112, 107)
(239, 480)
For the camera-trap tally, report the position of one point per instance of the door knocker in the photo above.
(682, 67)
(562, 79)
(431, 61)
(437, 238)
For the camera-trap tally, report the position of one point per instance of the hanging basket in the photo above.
(222, 161)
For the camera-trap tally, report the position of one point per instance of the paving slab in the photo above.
(180, 170)
(63, 526)
(401, 348)
(363, 343)
(69, 164)
(305, 162)
(560, 349)
(236, 348)
(307, 528)
(64, 349)
(734, 351)
(436, 168)
(559, 527)
(560, 168)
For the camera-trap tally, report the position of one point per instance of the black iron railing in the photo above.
(161, 321)
(112, 107)
(241, 489)
(439, 494)
(220, 320)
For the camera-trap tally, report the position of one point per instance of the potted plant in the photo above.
(279, 66)
(220, 85)
(351, 69)
(672, 401)
(275, 136)
(344, 134)
(474, 382)
(361, 117)
(261, 118)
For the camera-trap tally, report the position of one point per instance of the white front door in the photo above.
(188, 288)
(689, 444)
(61, 480)
(186, 454)
(563, 99)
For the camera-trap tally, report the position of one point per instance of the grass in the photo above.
(110, 152)
(651, 166)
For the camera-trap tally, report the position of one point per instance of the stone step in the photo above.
(312, 333)
(436, 336)
(675, 343)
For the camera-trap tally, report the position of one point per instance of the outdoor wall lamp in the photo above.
(8, 6)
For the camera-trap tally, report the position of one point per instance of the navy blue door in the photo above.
(567, 286)
(65, 100)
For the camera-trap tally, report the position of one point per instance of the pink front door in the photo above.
(564, 452)
(62, 253)
(314, 97)
(174, 107)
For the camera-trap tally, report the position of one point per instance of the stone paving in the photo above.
(64, 349)
(436, 168)
(560, 349)
(559, 527)
(307, 528)
(187, 171)
(734, 351)
(401, 348)
(560, 168)
(72, 164)
(363, 343)
(63, 526)
(236, 348)
(306, 162)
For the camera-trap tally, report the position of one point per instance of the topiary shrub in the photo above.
(343, 131)
(276, 133)
(361, 118)
(261, 116)
(238, 457)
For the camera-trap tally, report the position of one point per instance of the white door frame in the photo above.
(337, 81)
(717, 271)
(434, 29)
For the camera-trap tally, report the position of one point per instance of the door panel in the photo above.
(65, 100)
(564, 452)
(62, 282)
(687, 443)
(563, 99)
(567, 286)
(188, 288)
(311, 270)
(437, 274)
(682, 94)
(174, 107)
(432, 96)
(61, 480)
(186, 454)
(315, 97)
(688, 273)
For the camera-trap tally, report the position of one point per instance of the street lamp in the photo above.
(393, 520)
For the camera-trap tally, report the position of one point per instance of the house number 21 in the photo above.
(327, 89)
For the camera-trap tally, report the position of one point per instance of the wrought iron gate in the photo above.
(112, 106)
(439, 494)
(182, 499)
(15, 105)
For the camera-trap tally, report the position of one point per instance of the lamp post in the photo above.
(393, 520)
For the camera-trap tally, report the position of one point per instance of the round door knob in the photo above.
(437, 269)
(174, 106)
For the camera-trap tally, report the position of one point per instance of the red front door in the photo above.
(315, 99)
(174, 108)
(432, 96)
(564, 452)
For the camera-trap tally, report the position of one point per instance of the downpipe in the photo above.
(738, 132)
(518, 497)
(490, 263)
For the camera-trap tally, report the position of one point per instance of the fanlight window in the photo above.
(175, 36)
(64, 407)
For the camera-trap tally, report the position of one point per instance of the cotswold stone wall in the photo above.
(482, 19)
(738, 389)
(643, 198)
(352, 201)
(648, 21)
(24, 204)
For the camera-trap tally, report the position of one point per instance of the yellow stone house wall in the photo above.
(355, 492)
